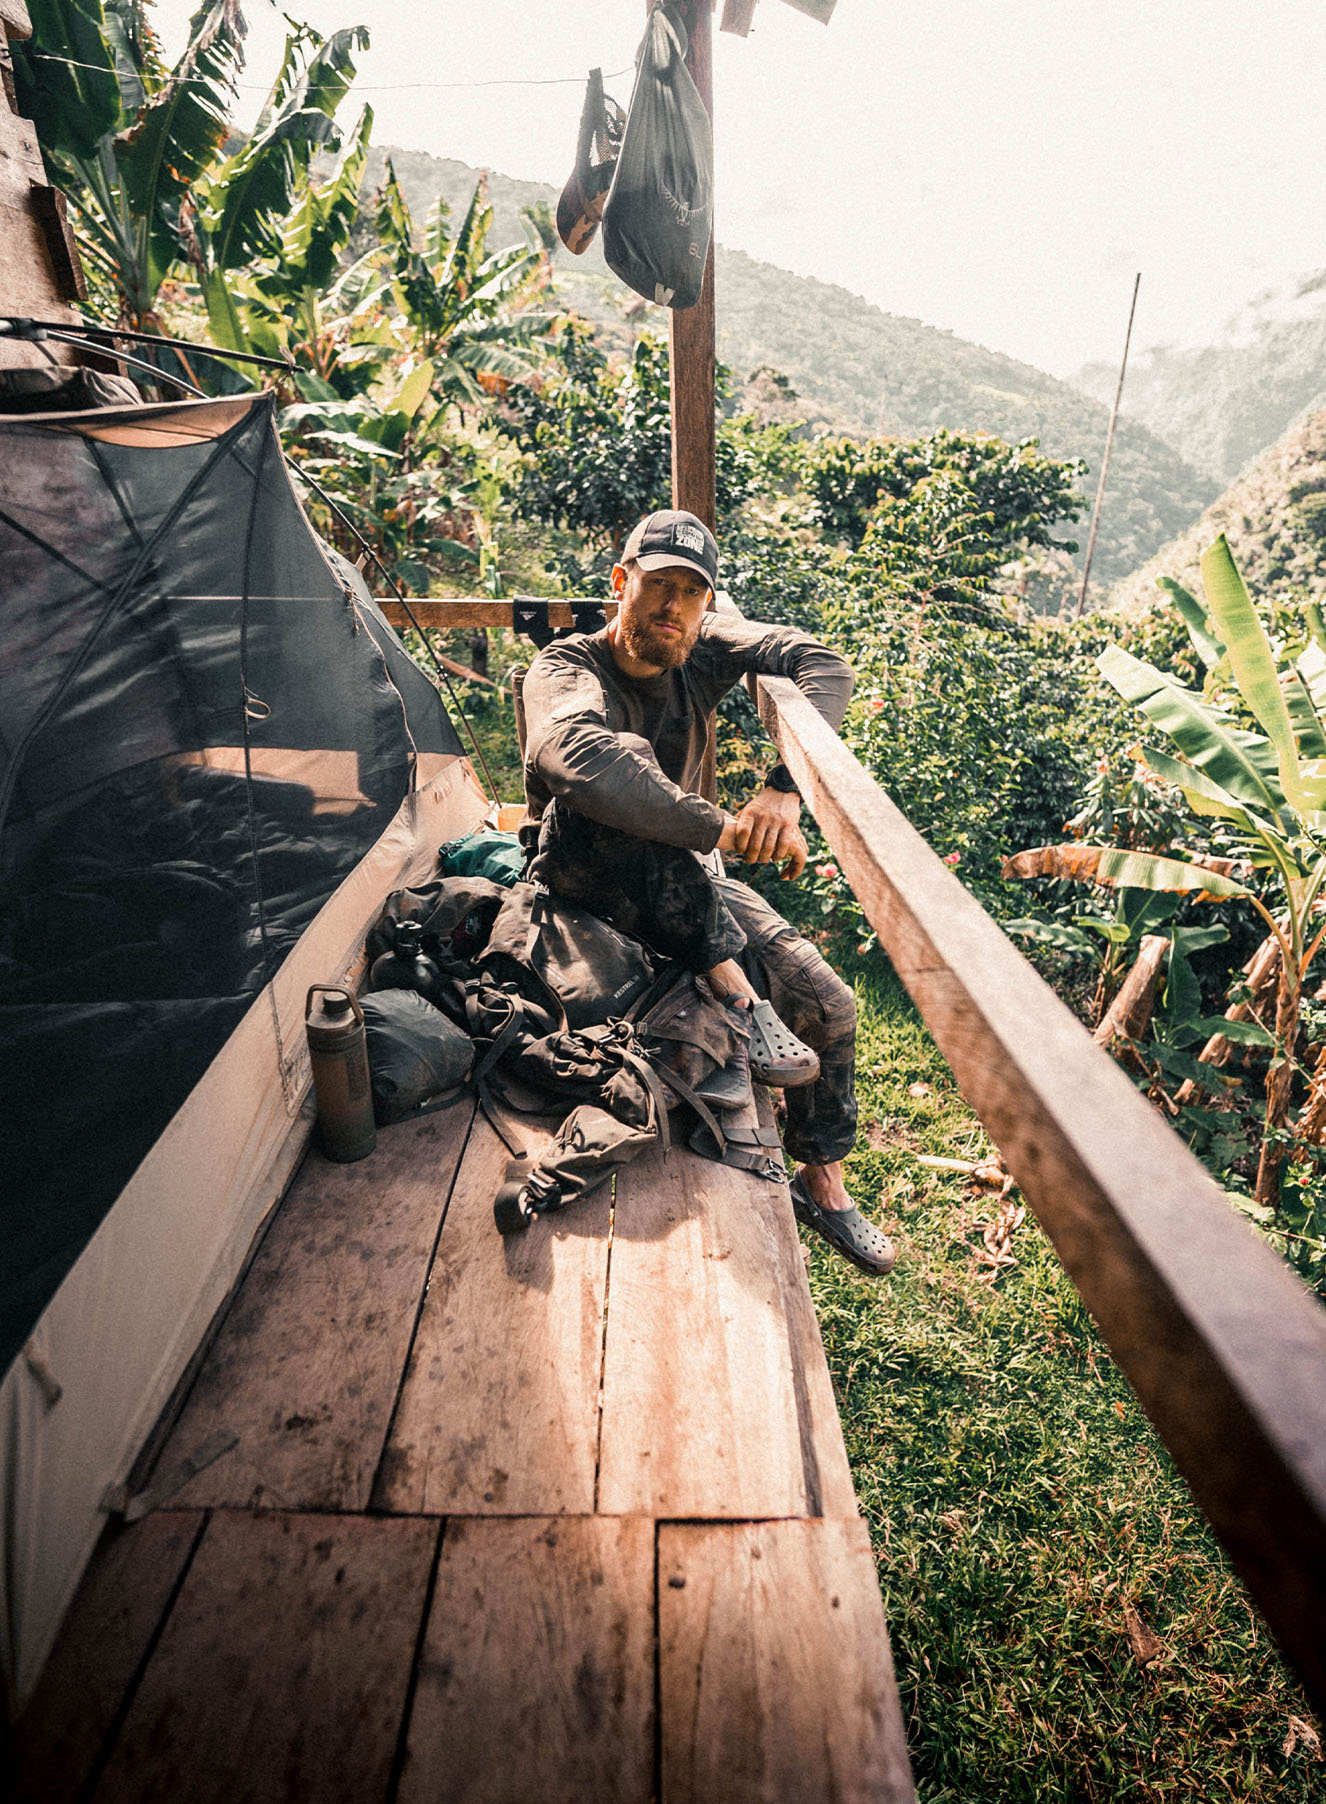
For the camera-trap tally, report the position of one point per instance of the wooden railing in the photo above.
(1224, 1347)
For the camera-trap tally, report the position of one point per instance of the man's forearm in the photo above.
(609, 782)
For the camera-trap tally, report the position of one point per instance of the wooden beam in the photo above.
(691, 330)
(737, 17)
(536, 1673)
(40, 271)
(498, 1414)
(715, 1395)
(1223, 1346)
(817, 9)
(253, 1691)
(117, 1614)
(447, 611)
(14, 19)
(306, 1367)
(775, 1679)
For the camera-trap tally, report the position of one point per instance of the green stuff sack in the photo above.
(660, 210)
(499, 857)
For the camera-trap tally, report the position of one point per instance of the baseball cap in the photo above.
(672, 536)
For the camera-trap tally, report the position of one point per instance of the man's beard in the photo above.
(647, 643)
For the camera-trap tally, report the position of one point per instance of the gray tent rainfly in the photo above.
(215, 758)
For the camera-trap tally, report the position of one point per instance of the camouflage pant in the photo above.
(666, 897)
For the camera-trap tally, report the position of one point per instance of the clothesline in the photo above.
(360, 87)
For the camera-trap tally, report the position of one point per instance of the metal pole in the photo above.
(1109, 446)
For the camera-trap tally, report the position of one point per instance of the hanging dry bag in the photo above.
(658, 217)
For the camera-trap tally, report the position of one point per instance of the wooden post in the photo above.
(40, 273)
(691, 331)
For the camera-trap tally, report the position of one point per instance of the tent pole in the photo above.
(691, 332)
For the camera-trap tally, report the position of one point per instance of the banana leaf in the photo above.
(1147, 870)
(1253, 665)
(1244, 764)
(242, 203)
(317, 229)
(179, 131)
(1308, 730)
(1075, 862)
(65, 77)
(1310, 665)
(1206, 797)
(1052, 933)
(1207, 646)
(1239, 1033)
(413, 392)
(1182, 995)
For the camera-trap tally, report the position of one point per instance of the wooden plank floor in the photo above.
(565, 1518)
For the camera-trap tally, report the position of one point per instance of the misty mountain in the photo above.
(859, 370)
(1220, 405)
(1274, 514)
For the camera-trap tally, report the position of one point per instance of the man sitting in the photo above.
(617, 723)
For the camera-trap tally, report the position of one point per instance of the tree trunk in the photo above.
(1130, 1013)
(1262, 972)
(1279, 1086)
(1312, 1122)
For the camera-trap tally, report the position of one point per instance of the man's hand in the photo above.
(767, 832)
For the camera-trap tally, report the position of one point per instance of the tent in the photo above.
(215, 760)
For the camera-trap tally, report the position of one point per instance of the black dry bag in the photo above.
(659, 214)
(414, 1053)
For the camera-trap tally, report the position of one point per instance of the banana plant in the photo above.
(138, 146)
(257, 204)
(1267, 789)
(299, 301)
(448, 300)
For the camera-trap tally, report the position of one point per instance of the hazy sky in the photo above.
(998, 167)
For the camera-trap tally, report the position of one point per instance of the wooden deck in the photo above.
(561, 1518)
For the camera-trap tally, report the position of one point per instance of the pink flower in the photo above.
(952, 858)
(826, 870)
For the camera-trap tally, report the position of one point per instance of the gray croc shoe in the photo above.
(777, 1057)
(847, 1232)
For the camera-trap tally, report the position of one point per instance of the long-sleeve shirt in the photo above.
(577, 701)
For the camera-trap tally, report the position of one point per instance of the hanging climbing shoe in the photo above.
(777, 1057)
(581, 202)
(846, 1230)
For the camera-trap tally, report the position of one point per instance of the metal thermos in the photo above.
(407, 966)
(338, 1053)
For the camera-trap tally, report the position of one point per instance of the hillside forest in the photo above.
(1138, 796)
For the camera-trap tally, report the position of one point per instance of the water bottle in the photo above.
(407, 966)
(338, 1053)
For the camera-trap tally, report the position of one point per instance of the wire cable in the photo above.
(94, 329)
(380, 87)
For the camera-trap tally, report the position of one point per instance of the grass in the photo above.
(1020, 1505)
